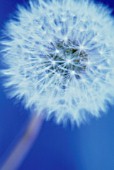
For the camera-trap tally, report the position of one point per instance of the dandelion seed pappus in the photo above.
(59, 58)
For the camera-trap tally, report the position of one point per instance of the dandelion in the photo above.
(59, 58)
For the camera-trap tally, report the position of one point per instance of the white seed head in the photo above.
(59, 57)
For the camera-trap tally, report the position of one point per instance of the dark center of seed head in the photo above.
(68, 61)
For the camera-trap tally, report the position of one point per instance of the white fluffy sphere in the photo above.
(59, 57)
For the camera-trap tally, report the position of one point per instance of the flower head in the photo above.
(59, 57)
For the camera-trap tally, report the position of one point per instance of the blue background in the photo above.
(90, 147)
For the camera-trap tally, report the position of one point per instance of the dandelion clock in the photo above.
(59, 61)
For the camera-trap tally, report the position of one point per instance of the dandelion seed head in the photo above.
(59, 58)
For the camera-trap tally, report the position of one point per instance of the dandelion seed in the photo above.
(61, 51)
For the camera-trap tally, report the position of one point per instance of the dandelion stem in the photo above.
(23, 146)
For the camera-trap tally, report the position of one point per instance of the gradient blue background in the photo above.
(90, 147)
